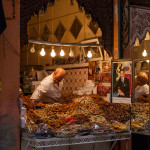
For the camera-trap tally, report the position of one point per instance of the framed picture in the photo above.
(103, 90)
(141, 65)
(96, 51)
(29, 75)
(121, 81)
(144, 65)
(106, 66)
(105, 77)
(91, 71)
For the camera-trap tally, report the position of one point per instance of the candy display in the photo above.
(84, 114)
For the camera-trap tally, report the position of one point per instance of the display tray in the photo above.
(84, 132)
(43, 135)
(138, 130)
(100, 132)
(79, 133)
(123, 131)
(53, 142)
(65, 135)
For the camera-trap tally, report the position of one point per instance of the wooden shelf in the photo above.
(67, 66)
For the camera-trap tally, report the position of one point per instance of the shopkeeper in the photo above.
(141, 87)
(49, 89)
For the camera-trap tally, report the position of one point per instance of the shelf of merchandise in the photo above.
(67, 66)
(51, 142)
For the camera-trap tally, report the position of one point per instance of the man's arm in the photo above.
(38, 94)
(33, 98)
(127, 88)
(120, 92)
(117, 85)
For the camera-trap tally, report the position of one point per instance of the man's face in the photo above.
(122, 74)
(57, 78)
(140, 83)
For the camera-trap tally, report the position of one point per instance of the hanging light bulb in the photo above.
(62, 52)
(53, 54)
(32, 50)
(71, 54)
(42, 53)
(147, 61)
(144, 54)
(89, 54)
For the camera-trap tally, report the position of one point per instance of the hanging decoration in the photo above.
(53, 54)
(32, 50)
(71, 54)
(42, 53)
(89, 54)
(62, 53)
(144, 54)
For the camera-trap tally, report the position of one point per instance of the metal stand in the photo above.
(51, 142)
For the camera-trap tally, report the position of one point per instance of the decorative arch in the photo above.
(101, 12)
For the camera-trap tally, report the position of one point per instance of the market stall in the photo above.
(80, 120)
(90, 110)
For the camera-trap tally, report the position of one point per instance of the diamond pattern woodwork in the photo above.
(93, 26)
(76, 27)
(60, 30)
(46, 33)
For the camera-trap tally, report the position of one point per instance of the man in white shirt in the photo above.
(141, 87)
(49, 89)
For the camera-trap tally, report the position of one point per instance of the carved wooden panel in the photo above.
(139, 23)
(101, 12)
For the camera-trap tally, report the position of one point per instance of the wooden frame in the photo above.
(138, 68)
(92, 41)
(27, 77)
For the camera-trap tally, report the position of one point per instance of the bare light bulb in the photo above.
(32, 50)
(144, 54)
(89, 54)
(62, 52)
(71, 54)
(42, 53)
(147, 61)
(53, 54)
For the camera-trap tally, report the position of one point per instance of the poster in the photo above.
(121, 81)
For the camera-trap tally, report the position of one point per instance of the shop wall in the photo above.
(9, 75)
(62, 12)
(74, 80)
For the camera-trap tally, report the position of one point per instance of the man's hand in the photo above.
(32, 104)
(120, 92)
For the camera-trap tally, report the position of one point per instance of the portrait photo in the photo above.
(121, 81)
